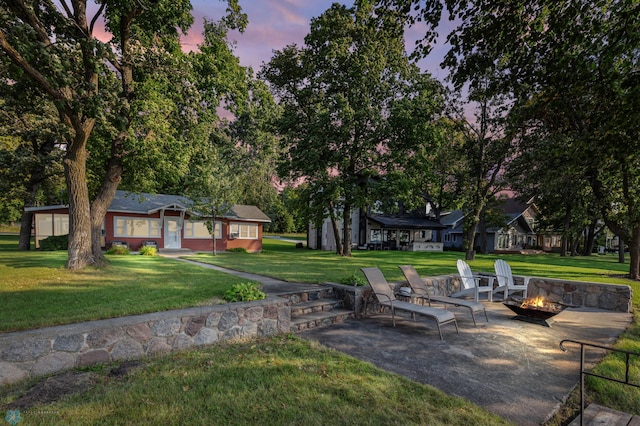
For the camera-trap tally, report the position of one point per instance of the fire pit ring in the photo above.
(535, 310)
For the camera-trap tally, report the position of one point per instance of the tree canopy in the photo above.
(115, 83)
(337, 93)
(571, 70)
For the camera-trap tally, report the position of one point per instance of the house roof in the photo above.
(144, 203)
(452, 218)
(406, 222)
(131, 202)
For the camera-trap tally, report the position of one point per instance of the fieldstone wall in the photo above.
(611, 297)
(45, 351)
(353, 297)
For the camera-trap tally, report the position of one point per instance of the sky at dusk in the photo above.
(274, 24)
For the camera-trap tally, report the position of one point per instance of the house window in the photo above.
(447, 238)
(198, 229)
(376, 236)
(48, 224)
(244, 231)
(137, 227)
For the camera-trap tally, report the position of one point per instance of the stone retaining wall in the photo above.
(611, 297)
(45, 351)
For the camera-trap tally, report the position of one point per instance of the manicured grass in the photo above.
(280, 259)
(247, 383)
(278, 381)
(37, 291)
(12, 229)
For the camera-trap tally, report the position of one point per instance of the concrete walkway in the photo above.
(512, 368)
(271, 286)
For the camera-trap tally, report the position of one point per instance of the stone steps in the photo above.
(317, 312)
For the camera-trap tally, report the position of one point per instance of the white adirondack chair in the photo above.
(471, 283)
(506, 285)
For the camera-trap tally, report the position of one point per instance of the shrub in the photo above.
(353, 279)
(118, 250)
(148, 251)
(237, 250)
(52, 243)
(244, 292)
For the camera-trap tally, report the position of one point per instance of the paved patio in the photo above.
(512, 368)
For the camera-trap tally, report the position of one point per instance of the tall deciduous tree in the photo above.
(485, 149)
(336, 92)
(31, 159)
(213, 184)
(55, 45)
(571, 66)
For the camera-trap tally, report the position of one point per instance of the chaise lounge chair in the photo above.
(506, 284)
(385, 297)
(471, 283)
(420, 290)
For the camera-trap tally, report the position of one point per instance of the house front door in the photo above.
(172, 233)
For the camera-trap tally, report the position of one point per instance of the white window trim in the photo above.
(129, 218)
(238, 235)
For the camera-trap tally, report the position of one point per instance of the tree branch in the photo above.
(21, 62)
(95, 18)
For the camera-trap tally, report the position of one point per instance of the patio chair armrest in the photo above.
(524, 278)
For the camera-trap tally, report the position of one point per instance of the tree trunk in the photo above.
(346, 229)
(634, 253)
(101, 204)
(75, 161)
(471, 239)
(213, 237)
(26, 222)
(565, 232)
(575, 241)
(336, 229)
(484, 244)
(621, 252)
(590, 240)
(472, 229)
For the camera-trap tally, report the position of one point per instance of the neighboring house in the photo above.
(163, 221)
(453, 234)
(519, 232)
(373, 230)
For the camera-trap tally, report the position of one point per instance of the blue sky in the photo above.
(274, 24)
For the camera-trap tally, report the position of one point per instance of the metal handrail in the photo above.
(584, 373)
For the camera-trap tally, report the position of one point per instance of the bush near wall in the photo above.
(55, 242)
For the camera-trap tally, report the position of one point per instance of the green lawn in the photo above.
(280, 259)
(283, 380)
(37, 291)
(236, 384)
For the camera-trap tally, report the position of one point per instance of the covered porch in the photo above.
(409, 233)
